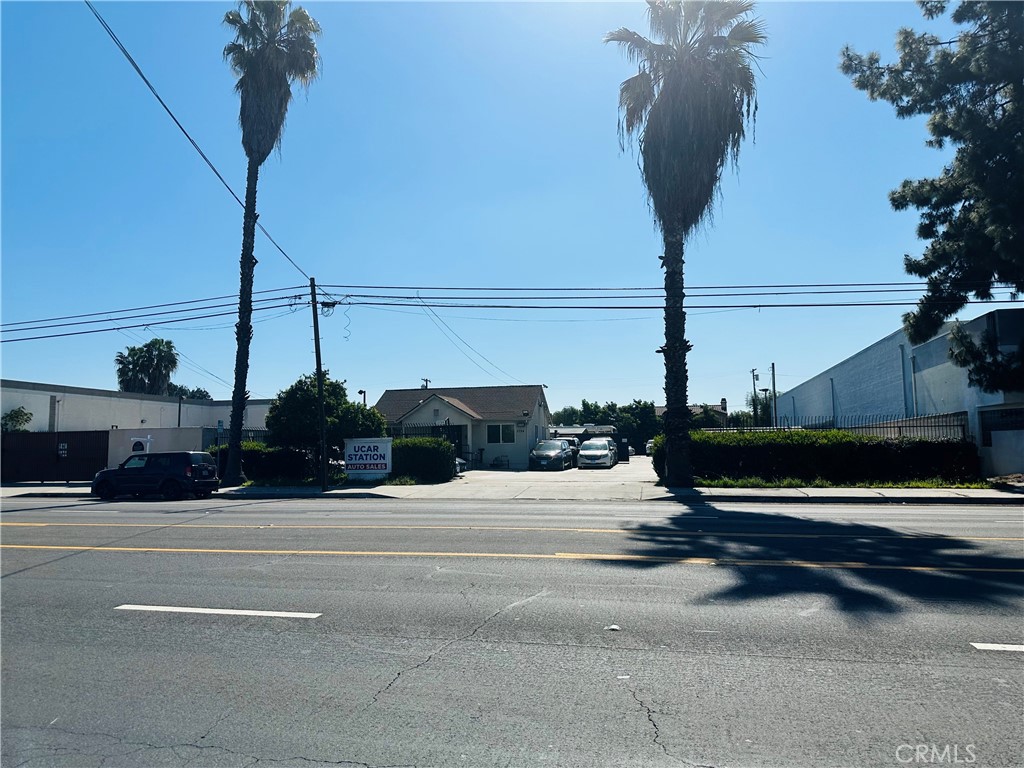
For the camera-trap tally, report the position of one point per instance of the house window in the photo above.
(437, 414)
(501, 433)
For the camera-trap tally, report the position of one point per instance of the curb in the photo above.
(694, 497)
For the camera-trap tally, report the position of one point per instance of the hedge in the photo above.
(259, 462)
(831, 455)
(426, 459)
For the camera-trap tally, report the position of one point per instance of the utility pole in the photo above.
(319, 387)
(426, 384)
(753, 392)
(775, 401)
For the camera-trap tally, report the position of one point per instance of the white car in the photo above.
(598, 452)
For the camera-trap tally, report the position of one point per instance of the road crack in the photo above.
(450, 643)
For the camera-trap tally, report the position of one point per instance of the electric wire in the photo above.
(189, 363)
(392, 303)
(136, 317)
(192, 141)
(473, 349)
(460, 349)
(150, 306)
(135, 325)
(10, 325)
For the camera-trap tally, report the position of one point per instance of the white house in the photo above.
(498, 426)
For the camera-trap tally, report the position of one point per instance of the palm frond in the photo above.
(274, 46)
(690, 103)
(636, 95)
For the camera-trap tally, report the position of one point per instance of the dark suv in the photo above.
(172, 474)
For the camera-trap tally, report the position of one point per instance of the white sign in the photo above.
(368, 458)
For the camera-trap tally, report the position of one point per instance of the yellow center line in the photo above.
(522, 529)
(519, 556)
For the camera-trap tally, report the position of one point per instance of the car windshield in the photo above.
(548, 445)
(202, 458)
(595, 445)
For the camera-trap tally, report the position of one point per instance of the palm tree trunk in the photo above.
(678, 470)
(233, 473)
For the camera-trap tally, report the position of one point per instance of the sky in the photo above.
(445, 146)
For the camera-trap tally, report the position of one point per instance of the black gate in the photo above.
(453, 433)
(39, 456)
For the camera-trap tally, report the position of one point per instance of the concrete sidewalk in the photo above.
(634, 481)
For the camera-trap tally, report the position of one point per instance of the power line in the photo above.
(151, 306)
(136, 317)
(920, 284)
(192, 141)
(688, 307)
(439, 302)
(470, 346)
(137, 325)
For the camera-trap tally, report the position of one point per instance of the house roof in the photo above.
(483, 403)
(455, 403)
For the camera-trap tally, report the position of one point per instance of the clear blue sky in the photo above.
(446, 144)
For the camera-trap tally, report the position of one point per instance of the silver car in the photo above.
(598, 452)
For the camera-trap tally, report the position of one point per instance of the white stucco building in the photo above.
(893, 377)
(167, 423)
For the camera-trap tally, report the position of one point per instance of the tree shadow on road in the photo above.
(868, 571)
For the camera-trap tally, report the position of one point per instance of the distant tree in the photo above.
(761, 405)
(293, 419)
(147, 369)
(972, 89)
(740, 419)
(198, 393)
(566, 416)
(640, 422)
(688, 106)
(274, 46)
(16, 420)
(637, 421)
(706, 419)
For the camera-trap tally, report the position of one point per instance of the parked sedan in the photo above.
(551, 454)
(598, 452)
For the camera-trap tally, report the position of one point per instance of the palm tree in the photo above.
(274, 46)
(147, 369)
(688, 107)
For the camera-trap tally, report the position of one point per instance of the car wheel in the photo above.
(171, 490)
(105, 491)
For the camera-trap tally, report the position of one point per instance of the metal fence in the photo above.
(943, 426)
(212, 436)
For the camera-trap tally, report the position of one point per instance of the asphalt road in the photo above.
(510, 634)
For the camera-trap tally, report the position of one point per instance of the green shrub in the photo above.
(262, 463)
(427, 459)
(834, 456)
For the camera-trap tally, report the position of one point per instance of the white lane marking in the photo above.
(224, 611)
(998, 647)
